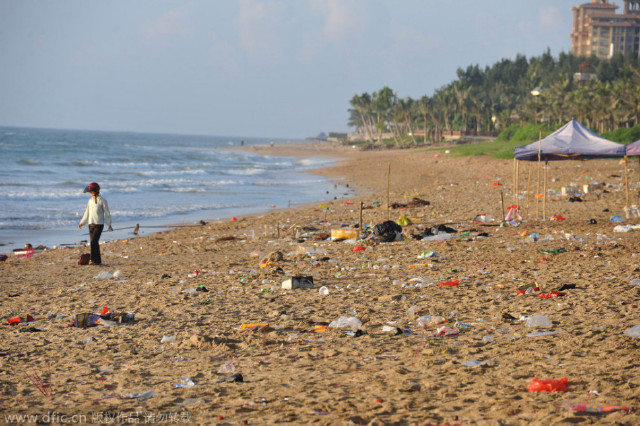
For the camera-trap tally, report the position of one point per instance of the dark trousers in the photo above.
(94, 235)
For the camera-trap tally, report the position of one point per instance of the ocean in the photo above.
(148, 179)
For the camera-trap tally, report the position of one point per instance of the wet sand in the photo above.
(293, 374)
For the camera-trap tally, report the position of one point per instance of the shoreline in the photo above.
(398, 369)
(298, 150)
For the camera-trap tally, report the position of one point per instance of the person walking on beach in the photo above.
(96, 213)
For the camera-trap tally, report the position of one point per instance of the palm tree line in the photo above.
(502, 95)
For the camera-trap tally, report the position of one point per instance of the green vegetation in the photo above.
(496, 149)
(623, 135)
(501, 99)
(515, 135)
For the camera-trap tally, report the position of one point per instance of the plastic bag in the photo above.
(548, 385)
(447, 331)
(453, 283)
(387, 231)
(633, 331)
(538, 321)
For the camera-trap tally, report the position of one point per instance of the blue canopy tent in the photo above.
(573, 141)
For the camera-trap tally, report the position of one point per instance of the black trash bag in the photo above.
(441, 229)
(387, 231)
(435, 230)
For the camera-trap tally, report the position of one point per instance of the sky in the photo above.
(248, 68)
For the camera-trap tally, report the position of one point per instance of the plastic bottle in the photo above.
(324, 291)
(428, 320)
(412, 310)
(103, 275)
(185, 382)
(166, 339)
(538, 321)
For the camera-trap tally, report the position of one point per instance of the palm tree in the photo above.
(362, 106)
(381, 104)
(424, 107)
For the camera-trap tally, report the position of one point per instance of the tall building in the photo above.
(598, 30)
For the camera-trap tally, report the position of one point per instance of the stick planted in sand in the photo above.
(360, 221)
(626, 178)
(528, 189)
(325, 220)
(544, 192)
(539, 166)
(264, 334)
(389, 193)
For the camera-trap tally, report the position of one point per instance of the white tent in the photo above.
(573, 141)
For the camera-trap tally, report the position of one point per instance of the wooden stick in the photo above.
(626, 178)
(544, 193)
(539, 166)
(502, 199)
(360, 221)
(517, 188)
(389, 193)
(325, 219)
(528, 189)
(515, 177)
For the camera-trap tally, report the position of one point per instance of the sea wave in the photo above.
(171, 172)
(29, 162)
(42, 193)
(249, 171)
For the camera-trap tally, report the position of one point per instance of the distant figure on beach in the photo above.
(242, 142)
(96, 213)
(271, 144)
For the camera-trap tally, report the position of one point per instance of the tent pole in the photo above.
(515, 176)
(626, 178)
(528, 189)
(517, 183)
(544, 192)
(539, 166)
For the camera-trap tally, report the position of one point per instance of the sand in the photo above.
(293, 374)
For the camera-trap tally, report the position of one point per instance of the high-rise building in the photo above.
(598, 30)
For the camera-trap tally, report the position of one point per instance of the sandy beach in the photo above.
(176, 361)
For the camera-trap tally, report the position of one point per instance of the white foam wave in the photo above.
(171, 172)
(249, 171)
(186, 190)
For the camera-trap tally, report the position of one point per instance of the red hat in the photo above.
(92, 187)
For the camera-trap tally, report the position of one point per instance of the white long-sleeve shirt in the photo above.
(97, 211)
